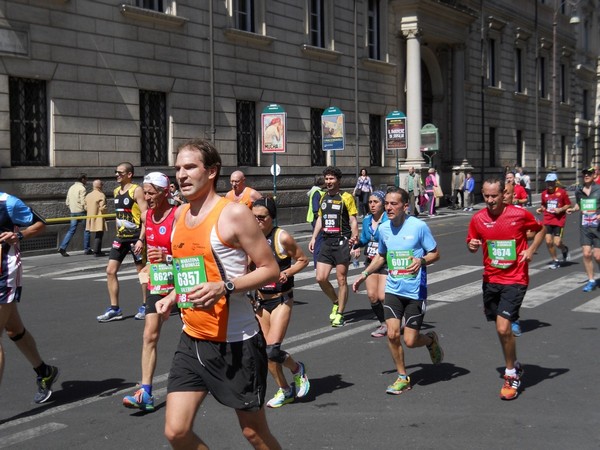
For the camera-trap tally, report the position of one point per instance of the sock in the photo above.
(43, 370)
(147, 388)
(114, 308)
(378, 310)
(510, 372)
(403, 376)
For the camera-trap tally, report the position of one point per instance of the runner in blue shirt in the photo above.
(406, 243)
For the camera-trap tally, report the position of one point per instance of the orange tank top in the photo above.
(229, 320)
(244, 199)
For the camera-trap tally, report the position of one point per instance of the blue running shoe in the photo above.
(141, 314)
(110, 315)
(516, 328)
(590, 286)
(140, 400)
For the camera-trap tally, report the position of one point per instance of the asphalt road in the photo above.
(453, 406)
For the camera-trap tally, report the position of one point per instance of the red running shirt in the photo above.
(503, 238)
(557, 199)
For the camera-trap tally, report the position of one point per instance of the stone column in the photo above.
(410, 30)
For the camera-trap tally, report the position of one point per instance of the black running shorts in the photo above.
(396, 307)
(235, 373)
(503, 300)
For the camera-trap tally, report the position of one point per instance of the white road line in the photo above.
(31, 433)
(457, 294)
(593, 306)
(95, 275)
(457, 271)
(86, 401)
(549, 291)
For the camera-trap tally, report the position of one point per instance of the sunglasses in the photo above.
(119, 173)
(588, 174)
(261, 218)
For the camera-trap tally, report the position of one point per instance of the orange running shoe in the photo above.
(510, 389)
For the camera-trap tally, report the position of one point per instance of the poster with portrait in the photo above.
(332, 129)
(273, 132)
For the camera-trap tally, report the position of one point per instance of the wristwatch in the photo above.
(169, 259)
(19, 235)
(229, 287)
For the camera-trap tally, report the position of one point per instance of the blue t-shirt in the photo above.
(398, 245)
(13, 213)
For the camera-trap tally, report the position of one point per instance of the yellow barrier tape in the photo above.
(68, 219)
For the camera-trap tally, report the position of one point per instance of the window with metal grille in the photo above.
(246, 133)
(317, 155)
(373, 29)
(153, 128)
(28, 122)
(317, 23)
(243, 14)
(375, 139)
(155, 5)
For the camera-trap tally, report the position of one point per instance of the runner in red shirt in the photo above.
(555, 202)
(520, 195)
(502, 232)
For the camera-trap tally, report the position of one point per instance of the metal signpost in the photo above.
(274, 133)
(430, 141)
(333, 130)
(395, 131)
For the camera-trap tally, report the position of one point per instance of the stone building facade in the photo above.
(87, 84)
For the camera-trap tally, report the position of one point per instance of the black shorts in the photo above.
(151, 303)
(589, 236)
(503, 300)
(235, 373)
(382, 271)
(120, 247)
(413, 311)
(272, 303)
(334, 251)
(554, 230)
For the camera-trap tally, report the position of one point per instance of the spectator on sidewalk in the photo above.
(76, 203)
(469, 191)
(458, 183)
(95, 203)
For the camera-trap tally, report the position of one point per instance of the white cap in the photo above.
(157, 179)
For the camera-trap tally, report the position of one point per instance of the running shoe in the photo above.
(301, 382)
(566, 256)
(44, 385)
(435, 351)
(380, 332)
(141, 314)
(554, 265)
(516, 328)
(401, 384)
(139, 400)
(510, 388)
(338, 321)
(334, 311)
(590, 286)
(281, 398)
(110, 315)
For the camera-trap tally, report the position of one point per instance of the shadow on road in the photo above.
(73, 391)
(535, 374)
(528, 325)
(324, 385)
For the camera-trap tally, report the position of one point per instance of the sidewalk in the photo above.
(53, 264)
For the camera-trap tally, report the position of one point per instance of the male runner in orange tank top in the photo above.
(219, 328)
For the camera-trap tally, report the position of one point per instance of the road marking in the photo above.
(593, 306)
(31, 433)
(550, 291)
(95, 275)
